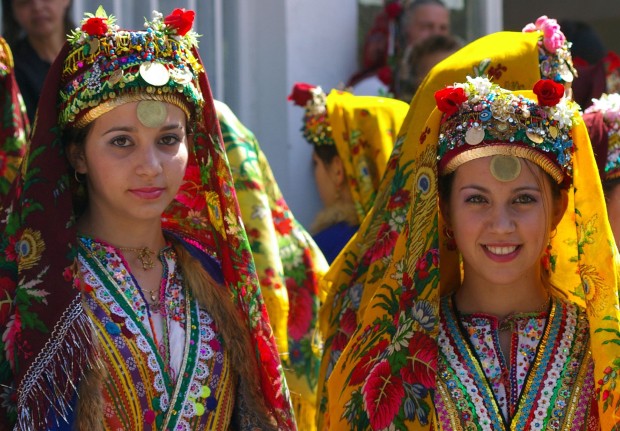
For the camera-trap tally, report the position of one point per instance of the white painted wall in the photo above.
(279, 42)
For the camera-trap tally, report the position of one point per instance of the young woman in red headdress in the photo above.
(131, 297)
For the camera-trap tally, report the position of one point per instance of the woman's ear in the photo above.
(77, 158)
(336, 171)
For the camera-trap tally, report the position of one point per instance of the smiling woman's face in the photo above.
(501, 228)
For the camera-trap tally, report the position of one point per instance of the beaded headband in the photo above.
(316, 129)
(107, 67)
(482, 119)
(554, 55)
(609, 106)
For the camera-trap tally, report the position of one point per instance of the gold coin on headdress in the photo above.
(534, 137)
(116, 76)
(94, 46)
(501, 126)
(181, 76)
(474, 136)
(152, 113)
(553, 131)
(565, 73)
(505, 168)
(154, 73)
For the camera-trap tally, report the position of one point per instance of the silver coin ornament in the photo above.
(181, 76)
(154, 73)
(474, 136)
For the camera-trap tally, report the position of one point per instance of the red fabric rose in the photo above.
(385, 75)
(180, 20)
(449, 99)
(95, 26)
(393, 9)
(301, 94)
(549, 92)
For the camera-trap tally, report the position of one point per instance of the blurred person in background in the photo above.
(14, 124)
(36, 31)
(420, 20)
(602, 119)
(598, 68)
(352, 137)
(288, 263)
(423, 58)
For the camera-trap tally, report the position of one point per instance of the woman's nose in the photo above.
(501, 219)
(149, 162)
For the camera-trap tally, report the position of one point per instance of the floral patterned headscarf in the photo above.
(384, 288)
(288, 262)
(14, 125)
(46, 341)
(363, 129)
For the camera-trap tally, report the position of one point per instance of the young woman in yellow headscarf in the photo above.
(288, 263)
(602, 119)
(370, 271)
(352, 137)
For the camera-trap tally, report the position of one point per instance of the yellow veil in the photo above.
(364, 130)
(368, 317)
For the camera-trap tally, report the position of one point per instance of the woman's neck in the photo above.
(47, 48)
(124, 235)
(501, 300)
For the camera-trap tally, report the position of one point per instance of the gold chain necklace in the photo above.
(154, 295)
(144, 255)
(508, 322)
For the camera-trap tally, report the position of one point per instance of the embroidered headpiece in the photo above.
(316, 128)
(554, 55)
(482, 119)
(609, 107)
(107, 67)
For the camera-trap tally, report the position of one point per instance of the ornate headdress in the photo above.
(107, 67)
(609, 108)
(482, 119)
(316, 128)
(555, 58)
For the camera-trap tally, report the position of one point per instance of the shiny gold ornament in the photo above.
(116, 76)
(152, 113)
(534, 137)
(94, 46)
(553, 131)
(505, 168)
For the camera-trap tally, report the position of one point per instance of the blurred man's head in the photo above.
(425, 18)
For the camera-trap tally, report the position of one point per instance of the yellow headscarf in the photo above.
(364, 310)
(288, 263)
(364, 130)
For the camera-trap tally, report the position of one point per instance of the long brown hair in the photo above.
(231, 325)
